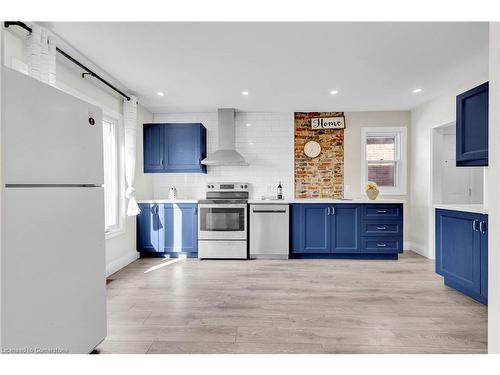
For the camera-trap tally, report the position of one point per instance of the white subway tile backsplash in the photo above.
(267, 145)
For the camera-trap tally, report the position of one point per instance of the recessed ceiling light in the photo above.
(159, 93)
(416, 91)
(248, 125)
(245, 93)
(334, 92)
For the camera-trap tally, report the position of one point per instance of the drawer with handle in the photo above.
(381, 244)
(381, 228)
(385, 211)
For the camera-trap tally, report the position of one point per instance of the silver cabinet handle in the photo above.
(382, 211)
(475, 225)
(333, 210)
(381, 245)
(328, 210)
(482, 227)
(381, 228)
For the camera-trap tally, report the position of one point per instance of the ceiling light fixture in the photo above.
(249, 125)
(244, 93)
(416, 91)
(159, 93)
(334, 92)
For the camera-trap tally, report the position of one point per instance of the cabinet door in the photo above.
(310, 228)
(345, 222)
(458, 255)
(472, 127)
(153, 148)
(181, 228)
(182, 147)
(484, 256)
(149, 227)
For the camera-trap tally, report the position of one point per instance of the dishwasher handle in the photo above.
(269, 211)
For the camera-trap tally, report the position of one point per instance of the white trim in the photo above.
(120, 263)
(431, 238)
(119, 229)
(402, 149)
(77, 94)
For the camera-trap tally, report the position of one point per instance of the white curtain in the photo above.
(130, 124)
(41, 55)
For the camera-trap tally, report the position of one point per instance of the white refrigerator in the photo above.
(53, 254)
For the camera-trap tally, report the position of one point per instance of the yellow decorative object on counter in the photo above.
(372, 190)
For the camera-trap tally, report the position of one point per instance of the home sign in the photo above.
(328, 122)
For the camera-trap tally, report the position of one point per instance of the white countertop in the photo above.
(159, 201)
(283, 201)
(476, 208)
(326, 201)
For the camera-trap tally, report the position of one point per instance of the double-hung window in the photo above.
(111, 175)
(383, 159)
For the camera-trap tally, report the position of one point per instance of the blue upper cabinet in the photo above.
(174, 148)
(462, 252)
(472, 127)
(153, 148)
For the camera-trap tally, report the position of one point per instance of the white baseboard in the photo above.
(121, 262)
(416, 249)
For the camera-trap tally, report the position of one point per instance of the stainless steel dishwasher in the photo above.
(269, 226)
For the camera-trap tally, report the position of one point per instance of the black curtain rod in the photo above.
(87, 70)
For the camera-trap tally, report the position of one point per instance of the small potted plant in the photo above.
(372, 190)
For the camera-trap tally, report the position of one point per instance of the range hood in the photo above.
(225, 154)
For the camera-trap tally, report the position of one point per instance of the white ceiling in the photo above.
(284, 66)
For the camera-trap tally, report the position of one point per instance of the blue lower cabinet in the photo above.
(461, 252)
(345, 221)
(310, 229)
(168, 230)
(149, 227)
(381, 245)
(181, 233)
(346, 230)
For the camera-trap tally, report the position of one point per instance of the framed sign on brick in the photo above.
(337, 122)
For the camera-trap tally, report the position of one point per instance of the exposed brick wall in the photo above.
(323, 176)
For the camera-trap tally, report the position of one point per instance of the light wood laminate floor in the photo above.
(295, 306)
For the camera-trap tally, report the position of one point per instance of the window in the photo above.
(384, 159)
(111, 175)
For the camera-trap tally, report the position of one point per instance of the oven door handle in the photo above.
(222, 205)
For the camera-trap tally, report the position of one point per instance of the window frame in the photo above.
(401, 158)
(118, 228)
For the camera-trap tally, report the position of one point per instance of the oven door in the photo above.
(222, 221)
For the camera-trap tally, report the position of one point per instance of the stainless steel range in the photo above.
(222, 221)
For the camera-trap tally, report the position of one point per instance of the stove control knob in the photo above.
(241, 186)
(246, 186)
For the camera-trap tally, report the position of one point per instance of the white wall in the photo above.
(452, 184)
(434, 113)
(120, 250)
(494, 197)
(1, 127)
(267, 145)
(352, 144)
